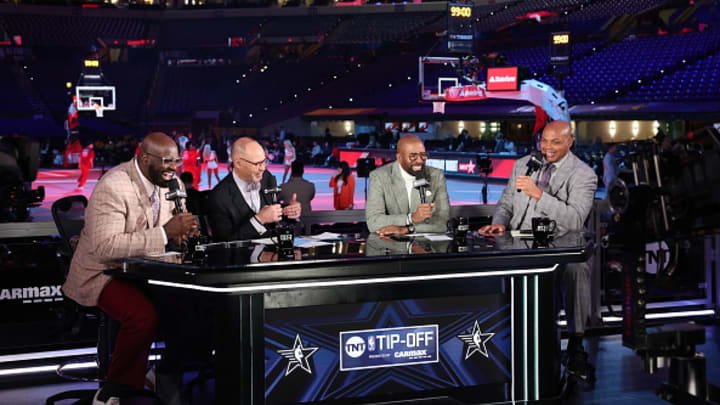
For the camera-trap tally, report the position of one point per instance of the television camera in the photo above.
(671, 194)
(19, 160)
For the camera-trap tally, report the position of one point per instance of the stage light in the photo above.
(68, 85)
(330, 107)
(350, 99)
(461, 125)
(237, 80)
(635, 129)
(656, 127)
(250, 115)
(612, 129)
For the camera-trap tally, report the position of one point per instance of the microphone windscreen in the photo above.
(173, 185)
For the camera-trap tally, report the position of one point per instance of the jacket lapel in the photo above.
(142, 195)
(398, 187)
(236, 196)
(561, 174)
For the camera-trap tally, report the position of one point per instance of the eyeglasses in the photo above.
(415, 155)
(167, 161)
(259, 165)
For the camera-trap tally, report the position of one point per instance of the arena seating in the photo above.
(71, 31)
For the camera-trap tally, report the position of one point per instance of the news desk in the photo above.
(363, 319)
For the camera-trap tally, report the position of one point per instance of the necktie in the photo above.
(545, 176)
(155, 202)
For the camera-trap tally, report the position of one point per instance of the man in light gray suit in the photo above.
(563, 190)
(394, 206)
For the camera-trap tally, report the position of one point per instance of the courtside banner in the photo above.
(388, 347)
(465, 93)
(502, 79)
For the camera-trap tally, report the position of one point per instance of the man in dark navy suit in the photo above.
(238, 206)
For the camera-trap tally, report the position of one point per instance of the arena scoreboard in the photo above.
(460, 28)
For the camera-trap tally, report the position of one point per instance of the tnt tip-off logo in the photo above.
(388, 347)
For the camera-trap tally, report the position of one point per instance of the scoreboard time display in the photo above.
(460, 28)
(560, 48)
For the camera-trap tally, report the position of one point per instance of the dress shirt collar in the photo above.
(407, 177)
(244, 186)
(561, 162)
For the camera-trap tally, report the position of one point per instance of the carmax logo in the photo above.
(28, 295)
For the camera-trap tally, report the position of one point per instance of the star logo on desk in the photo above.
(476, 341)
(298, 356)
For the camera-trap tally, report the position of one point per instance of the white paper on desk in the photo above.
(521, 233)
(170, 253)
(312, 243)
(263, 241)
(423, 234)
(324, 235)
(437, 237)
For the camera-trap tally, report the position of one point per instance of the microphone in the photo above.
(175, 194)
(422, 185)
(534, 164)
(273, 192)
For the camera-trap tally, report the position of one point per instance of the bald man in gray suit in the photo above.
(394, 206)
(563, 190)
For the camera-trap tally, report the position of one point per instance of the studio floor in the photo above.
(620, 377)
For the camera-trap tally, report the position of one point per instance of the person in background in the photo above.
(190, 158)
(289, 157)
(610, 165)
(499, 142)
(193, 202)
(463, 140)
(316, 153)
(87, 157)
(210, 159)
(303, 189)
(229, 156)
(343, 185)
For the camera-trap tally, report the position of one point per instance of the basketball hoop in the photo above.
(98, 110)
(439, 107)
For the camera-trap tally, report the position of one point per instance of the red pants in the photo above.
(84, 172)
(126, 304)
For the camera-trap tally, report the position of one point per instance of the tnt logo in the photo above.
(355, 347)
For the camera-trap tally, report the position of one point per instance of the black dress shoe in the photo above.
(169, 388)
(578, 365)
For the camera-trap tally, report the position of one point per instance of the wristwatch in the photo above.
(411, 228)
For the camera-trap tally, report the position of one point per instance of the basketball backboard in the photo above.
(436, 74)
(89, 96)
